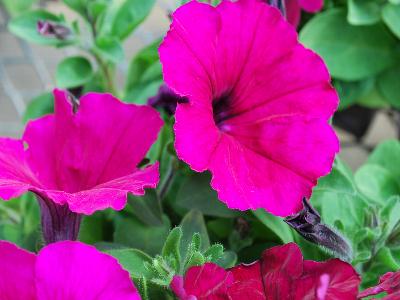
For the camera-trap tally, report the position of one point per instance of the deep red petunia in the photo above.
(258, 104)
(389, 283)
(280, 274)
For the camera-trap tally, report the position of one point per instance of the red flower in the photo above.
(280, 274)
(389, 283)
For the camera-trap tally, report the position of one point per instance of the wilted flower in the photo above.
(258, 104)
(389, 283)
(80, 159)
(62, 271)
(280, 274)
(294, 7)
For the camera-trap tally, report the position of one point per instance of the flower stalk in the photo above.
(59, 223)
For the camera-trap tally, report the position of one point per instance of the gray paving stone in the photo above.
(8, 113)
(381, 129)
(354, 156)
(24, 77)
(157, 23)
(9, 46)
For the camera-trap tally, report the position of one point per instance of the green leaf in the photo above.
(77, 5)
(195, 193)
(376, 182)
(338, 200)
(214, 253)
(351, 52)
(276, 225)
(363, 12)
(133, 233)
(351, 91)
(73, 71)
(25, 27)
(39, 106)
(144, 75)
(16, 7)
(132, 260)
(124, 16)
(146, 208)
(109, 48)
(389, 85)
(391, 16)
(390, 216)
(387, 155)
(228, 260)
(193, 223)
(91, 230)
(386, 257)
(172, 245)
(373, 99)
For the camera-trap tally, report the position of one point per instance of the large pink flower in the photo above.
(258, 104)
(79, 160)
(294, 7)
(62, 271)
(280, 274)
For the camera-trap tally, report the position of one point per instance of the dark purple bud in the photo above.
(53, 30)
(59, 223)
(166, 99)
(279, 4)
(308, 224)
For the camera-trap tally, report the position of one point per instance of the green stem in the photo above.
(107, 74)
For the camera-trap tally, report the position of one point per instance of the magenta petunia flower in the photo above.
(62, 271)
(294, 7)
(280, 274)
(80, 159)
(258, 104)
(389, 283)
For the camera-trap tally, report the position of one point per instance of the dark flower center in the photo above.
(221, 107)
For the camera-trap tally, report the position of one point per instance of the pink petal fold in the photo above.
(75, 271)
(87, 159)
(17, 268)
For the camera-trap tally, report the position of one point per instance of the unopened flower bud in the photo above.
(308, 224)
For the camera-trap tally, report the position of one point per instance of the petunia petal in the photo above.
(281, 266)
(74, 271)
(293, 12)
(311, 6)
(330, 280)
(235, 73)
(189, 73)
(247, 283)
(89, 158)
(15, 175)
(207, 282)
(109, 194)
(17, 268)
(245, 179)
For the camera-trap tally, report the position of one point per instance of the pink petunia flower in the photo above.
(258, 104)
(389, 283)
(62, 271)
(280, 274)
(80, 159)
(294, 7)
